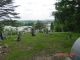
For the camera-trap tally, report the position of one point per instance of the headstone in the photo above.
(46, 31)
(76, 50)
(1, 36)
(33, 32)
(19, 35)
(5, 35)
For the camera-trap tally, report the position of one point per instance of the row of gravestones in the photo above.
(19, 35)
(33, 31)
(4, 34)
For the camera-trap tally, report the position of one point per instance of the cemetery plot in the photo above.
(38, 47)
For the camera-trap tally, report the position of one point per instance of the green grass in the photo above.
(41, 44)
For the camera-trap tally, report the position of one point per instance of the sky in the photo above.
(35, 9)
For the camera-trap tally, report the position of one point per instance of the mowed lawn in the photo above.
(41, 44)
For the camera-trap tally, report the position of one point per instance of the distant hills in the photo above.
(34, 21)
(31, 22)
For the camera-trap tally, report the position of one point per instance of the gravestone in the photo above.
(46, 31)
(5, 35)
(75, 50)
(1, 36)
(33, 32)
(19, 35)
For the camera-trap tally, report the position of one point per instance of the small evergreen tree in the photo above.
(52, 27)
(7, 12)
(39, 26)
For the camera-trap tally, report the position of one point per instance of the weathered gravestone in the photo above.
(1, 36)
(76, 50)
(46, 31)
(33, 32)
(19, 35)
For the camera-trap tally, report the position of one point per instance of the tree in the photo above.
(7, 12)
(1, 30)
(52, 26)
(39, 25)
(67, 14)
(10, 22)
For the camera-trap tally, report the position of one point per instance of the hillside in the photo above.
(40, 45)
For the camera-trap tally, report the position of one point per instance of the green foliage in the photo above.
(57, 26)
(67, 14)
(39, 25)
(7, 13)
(7, 10)
(52, 26)
(29, 24)
(11, 23)
(1, 27)
(5, 2)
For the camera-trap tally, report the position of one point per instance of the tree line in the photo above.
(67, 15)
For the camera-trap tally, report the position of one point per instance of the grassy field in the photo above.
(41, 44)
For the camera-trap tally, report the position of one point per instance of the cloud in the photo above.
(35, 9)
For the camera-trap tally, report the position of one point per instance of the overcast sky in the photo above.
(35, 9)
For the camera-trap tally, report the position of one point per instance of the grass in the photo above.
(41, 44)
